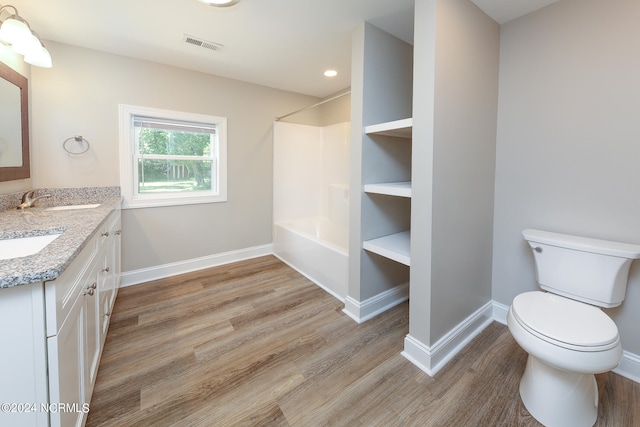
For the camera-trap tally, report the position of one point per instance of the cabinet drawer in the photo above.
(61, 293)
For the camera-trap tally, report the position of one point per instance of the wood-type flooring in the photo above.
(254, 343)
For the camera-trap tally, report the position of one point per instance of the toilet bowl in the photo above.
(567, 342)
(567, 336)
(565, 333)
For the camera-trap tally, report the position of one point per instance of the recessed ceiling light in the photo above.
(330, 73)
(219, 3)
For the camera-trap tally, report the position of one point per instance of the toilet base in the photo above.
(557, 397)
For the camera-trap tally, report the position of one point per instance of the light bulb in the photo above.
(39, 58)
(14, 30)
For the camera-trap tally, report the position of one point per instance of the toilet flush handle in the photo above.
(537, 249)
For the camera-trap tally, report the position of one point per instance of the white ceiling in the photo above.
(285, 44)
(506, 10)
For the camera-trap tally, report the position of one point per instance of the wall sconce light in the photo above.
(15, 31)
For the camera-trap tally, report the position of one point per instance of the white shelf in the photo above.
(402, 128)
(394, 246)
(400, 189)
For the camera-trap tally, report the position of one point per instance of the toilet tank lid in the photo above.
(605, 247)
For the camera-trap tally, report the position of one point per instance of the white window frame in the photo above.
(129, 163)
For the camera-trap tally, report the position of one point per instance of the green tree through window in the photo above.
(172, 157)
(172, 174)
(175, 156)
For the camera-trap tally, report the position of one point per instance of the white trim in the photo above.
(500, 312)
(133, 200)
(142, 275)
(432, 359)
(371, 307)
(629, 366)
(418, 354)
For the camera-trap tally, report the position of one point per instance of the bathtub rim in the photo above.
(287, 224)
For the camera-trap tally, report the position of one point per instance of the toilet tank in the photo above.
(589, 270)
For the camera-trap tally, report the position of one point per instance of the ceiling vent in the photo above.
(202, 43)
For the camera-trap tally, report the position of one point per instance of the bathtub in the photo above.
(318, 249)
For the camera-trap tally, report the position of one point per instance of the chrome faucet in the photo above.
(28, 200)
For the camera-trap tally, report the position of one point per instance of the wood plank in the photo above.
(255, 343)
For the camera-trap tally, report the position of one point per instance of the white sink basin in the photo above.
(70, 207)
(24, 246)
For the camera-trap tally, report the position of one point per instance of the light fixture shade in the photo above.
(14, 30)
(27, 45)
(39, 58)
(220, 3)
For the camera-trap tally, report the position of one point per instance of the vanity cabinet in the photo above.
(53, 358)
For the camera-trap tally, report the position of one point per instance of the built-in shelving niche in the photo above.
(400, 128)
(395, 246)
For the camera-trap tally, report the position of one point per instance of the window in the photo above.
(171, 157)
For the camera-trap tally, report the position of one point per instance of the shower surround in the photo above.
(311, 202)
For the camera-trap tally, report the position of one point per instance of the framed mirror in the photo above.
(14, 125)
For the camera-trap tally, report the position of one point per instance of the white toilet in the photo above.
(568, 338)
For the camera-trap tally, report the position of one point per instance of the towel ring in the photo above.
(74, 151)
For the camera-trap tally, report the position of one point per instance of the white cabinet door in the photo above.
(93, 341)
(66, 369)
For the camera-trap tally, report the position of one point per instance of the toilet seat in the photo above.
(564, 322)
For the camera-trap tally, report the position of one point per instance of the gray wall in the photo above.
(466, 99)
(455, 108)
(80, 96)
(336, 111)
(330, 113)
(424, 68)
(568, 146)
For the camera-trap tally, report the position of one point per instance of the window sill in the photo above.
(171, 201)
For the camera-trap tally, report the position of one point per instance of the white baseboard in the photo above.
(629, 366)
(371, 307)
(500, 312)
(432, 359)
(142, 275)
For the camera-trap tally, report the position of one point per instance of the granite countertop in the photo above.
(77, 225)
